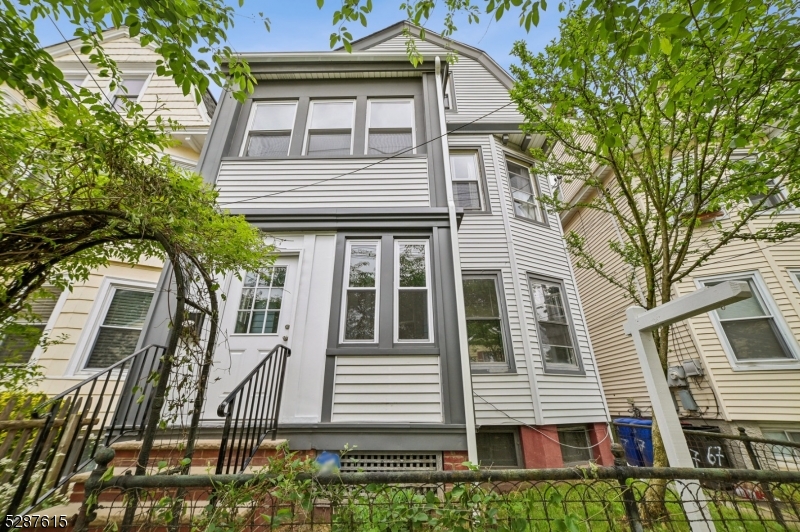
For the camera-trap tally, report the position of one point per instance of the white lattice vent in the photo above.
(375, 462)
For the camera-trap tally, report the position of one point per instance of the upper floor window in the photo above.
(486, 326)
(465, 173)
(133, 88)
(449, 101)
(773, 200)
(361, 291)
(330, 128)
(260, 304)
(390, 126)
(269, 131)
(556, 335)
(21, 337)
(122, 323)
(412, 291)
(523, 192)
(753, 328)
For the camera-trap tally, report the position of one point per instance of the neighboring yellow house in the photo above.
(99, 322)
(745, 357)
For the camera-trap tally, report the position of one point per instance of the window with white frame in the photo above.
(412, 292)
(390, 126)
(449, 100)
(76, 80)
(361, 291)
(21, 337)
(120, 327)
(752, 330)
(556, 335)
(130, 89)
(523, 191)
(486, 339)
(269, 130)
(466, 177)
(260, 304)
(773, 200)
(330, 128)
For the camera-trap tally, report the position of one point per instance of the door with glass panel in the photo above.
(256, 317)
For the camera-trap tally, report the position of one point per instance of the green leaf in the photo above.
(665, 44)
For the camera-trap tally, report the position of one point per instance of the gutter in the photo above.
(461, 316)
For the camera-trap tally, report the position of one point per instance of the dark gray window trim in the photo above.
(487, 205)
(506, 429)
(556, 371)
(536, 189)
(385, 344)
(510, 367)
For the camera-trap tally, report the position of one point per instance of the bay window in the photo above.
(487, 335)
(269, 130)
(466, 176)
(523, 192)
(390, 126)
(330, 128)
(554, 326)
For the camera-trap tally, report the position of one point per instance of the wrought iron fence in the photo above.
(251, 412)
(597, 499)
(73, 425)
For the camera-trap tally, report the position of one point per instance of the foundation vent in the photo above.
(379, 462)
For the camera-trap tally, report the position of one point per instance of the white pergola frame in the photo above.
(640, 326)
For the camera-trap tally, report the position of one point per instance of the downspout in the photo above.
(461, 317)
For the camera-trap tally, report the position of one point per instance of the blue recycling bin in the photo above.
(636, 437)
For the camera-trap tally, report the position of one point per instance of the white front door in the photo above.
(256, 317)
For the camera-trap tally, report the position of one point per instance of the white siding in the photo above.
(477, 91)
(399, 182)
(387, 389)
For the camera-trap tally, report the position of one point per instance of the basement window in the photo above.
(575, 444)
(498, 448)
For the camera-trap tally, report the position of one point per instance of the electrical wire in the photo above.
(371, 164)
(608, 432)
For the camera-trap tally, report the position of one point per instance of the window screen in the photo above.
(413, 291)
(330, 128)
(391, 126)
(133, 89)
(497, 449)
(260, 304)
(555, 330)
(750, 327)
(270, 129)
(361, 291)
(21, 338)
(574, 444)
(484, 320)
(123, 321)
(522, 192)
(465, 174)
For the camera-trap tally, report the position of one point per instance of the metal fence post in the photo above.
(91, 493)
(773, 504)
(628, 497)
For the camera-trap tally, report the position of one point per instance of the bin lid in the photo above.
(633, 421)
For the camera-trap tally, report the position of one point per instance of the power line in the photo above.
(371, 164)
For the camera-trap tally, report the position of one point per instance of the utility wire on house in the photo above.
(371, 164)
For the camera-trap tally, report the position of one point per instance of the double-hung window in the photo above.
(330, 128)
(362, 289)
(412, 291)
(119, 331)
(260, 304)
(390, 126)
(486, 335)
(133, 88)
(523, 192)
(752, 329)
(773, 200)
(556, 335)
(21, 337)
(269, 131)
(465, 174)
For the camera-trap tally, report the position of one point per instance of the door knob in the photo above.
(285, 338)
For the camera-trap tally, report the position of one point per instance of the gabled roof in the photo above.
(466, 50)
(113, 34)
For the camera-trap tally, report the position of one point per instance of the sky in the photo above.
(298, 25)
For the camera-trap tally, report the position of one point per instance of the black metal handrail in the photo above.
(78, 421)
(251, 412)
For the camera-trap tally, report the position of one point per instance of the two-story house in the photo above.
(100, 320)
(738, 366)
(427, 297)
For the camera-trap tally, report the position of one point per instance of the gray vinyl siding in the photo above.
(398, 182)
(483, 244)
(478, 92)
(387, 389)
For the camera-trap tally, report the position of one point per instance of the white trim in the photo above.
(764, 297)
(311, 115)
(105, 294)
(252, 117)
(483, 203)
(147, 75)
(794, 275)
(521, 162)
(346, 287)
(396, 289)
(51, 323)
(369, 114)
